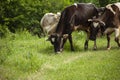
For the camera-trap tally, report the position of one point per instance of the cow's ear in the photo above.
(53, 39)
(90, 20)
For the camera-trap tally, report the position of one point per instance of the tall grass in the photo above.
(27, 57)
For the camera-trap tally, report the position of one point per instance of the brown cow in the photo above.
(74, 17)
(108, 22)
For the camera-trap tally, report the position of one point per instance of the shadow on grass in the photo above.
(105, 48)
(49, 50)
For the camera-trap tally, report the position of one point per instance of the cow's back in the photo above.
(85, 12)
(76, 15)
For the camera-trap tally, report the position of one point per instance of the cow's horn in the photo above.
(109, 6)
(103, 23)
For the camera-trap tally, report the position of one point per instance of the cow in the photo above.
(108, 22)
(49, 22)
(74, 17)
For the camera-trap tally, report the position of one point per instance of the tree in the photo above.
(104, 2)
(26, 14)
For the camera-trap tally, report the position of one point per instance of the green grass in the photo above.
(26, 57)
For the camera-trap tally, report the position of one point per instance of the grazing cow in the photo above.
(74, 17)
(108, 22)
(49, 22)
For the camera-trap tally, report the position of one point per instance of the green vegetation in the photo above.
(26, 14)
(26, 57)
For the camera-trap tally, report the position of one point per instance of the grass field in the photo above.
(26, 57)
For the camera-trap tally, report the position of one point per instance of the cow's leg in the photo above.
(108, 42)
(64, 41)
(86, 42)
(117, 33)
(95, 46)
(71, 43)
(108, 32)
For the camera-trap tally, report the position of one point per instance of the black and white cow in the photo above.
(74, 17)
(108, 22)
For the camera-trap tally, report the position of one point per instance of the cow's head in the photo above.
(57, 41)
(96, 25)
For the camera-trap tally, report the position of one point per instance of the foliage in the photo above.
(27, 57)
(26, 14)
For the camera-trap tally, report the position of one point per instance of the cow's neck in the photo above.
(59, 29)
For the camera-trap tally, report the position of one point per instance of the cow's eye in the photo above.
(53, 39)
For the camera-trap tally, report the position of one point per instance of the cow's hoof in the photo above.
(118, 45)
(58, 52)
(61, 49)
(95, 48)
(109, 48)
(72, 49)
(86, 48)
